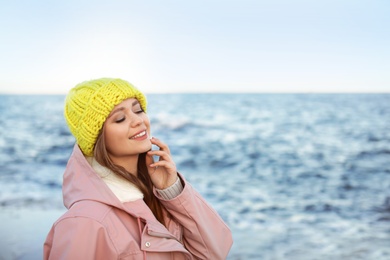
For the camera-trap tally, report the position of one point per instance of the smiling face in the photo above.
(127, 132)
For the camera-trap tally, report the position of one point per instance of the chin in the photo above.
(146, 148)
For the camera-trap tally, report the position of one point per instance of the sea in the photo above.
(295, 176)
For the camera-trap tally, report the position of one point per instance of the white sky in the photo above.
(197, 46)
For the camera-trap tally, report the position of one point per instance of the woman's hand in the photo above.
(163, 173)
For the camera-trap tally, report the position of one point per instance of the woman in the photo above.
(121, 204)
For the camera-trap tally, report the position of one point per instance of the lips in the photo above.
(139, 135)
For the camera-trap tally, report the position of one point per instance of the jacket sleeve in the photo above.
(205, 235)
(78, 238)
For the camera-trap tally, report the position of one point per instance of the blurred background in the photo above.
(277, 112)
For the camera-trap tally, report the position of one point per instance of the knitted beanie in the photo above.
(89, 103)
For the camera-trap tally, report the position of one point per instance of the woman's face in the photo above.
(127, 130)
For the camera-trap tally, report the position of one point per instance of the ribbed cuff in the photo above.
(172, 191)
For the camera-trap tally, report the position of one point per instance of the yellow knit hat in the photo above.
(89, 103)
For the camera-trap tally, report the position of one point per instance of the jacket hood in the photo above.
(80, 182)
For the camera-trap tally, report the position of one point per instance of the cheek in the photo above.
(147, 122)
(108, 141)
(112, 137)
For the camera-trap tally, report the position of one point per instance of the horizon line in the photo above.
(211, 93)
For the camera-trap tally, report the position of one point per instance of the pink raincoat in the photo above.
(98, 226)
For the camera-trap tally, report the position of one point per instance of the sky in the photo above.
(197, 46)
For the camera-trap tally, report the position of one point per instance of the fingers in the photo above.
(160, 144)
(149, 159)
(164, 156)
(165, 162)
(165, 159)
(169, 166)
(162, 172)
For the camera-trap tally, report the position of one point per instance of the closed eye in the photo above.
(120, 120)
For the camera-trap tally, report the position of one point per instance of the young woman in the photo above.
(121, 204)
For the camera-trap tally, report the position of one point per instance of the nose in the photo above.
(136, 120)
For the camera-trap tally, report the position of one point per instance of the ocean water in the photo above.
(295, 176)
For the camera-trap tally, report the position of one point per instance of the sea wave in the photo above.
(302, 176)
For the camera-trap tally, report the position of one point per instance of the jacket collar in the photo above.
(81, 182)
(124, 190)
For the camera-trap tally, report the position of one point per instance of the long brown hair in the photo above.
(142, 180)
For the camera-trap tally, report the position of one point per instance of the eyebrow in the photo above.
(136, 102)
